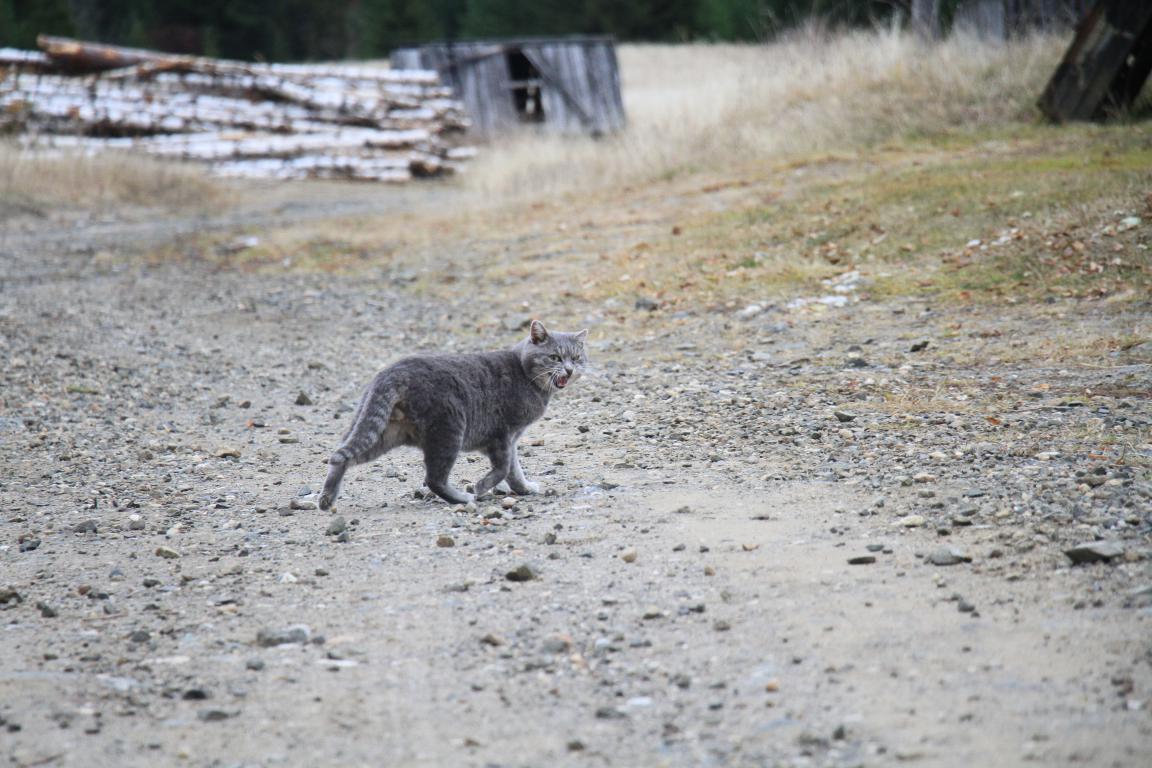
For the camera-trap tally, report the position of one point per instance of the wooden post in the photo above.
(1106, 64)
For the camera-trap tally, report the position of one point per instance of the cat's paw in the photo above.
(527, 488)
(503, 487)
(325, 501)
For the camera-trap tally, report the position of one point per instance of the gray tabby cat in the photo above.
(444, 404)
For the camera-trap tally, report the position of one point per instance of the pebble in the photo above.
(492, 639)
(720, 625)
(270, 638)
(875, 547)
(629, 555)
(336, 526)
(301, 504)
(948, 556)
(216, 715)
(508, 502)
(228, 452)
(10, 595)
(646, 304)
(46, 610)
(88, 526)
(254, 664)
(135, 523)
(862, 560)
(444, 540)
(1095, 552)
(652, 612)
(303, 399)
(557, 644)
(923, 477)
(522, 572)
(911, 521)
(844, 416)
(29, 545)
(167, 553)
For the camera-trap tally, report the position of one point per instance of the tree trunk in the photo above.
(926, 19)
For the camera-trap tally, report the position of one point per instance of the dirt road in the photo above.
(692, 598)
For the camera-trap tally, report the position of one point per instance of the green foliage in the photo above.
(333, 29)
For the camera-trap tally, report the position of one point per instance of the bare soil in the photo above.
(163, 432)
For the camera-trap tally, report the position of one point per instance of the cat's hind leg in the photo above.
(441, 447)
(370, 438)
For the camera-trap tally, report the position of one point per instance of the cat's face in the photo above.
(554, 360)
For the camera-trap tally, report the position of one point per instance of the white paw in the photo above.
(503, 487)
(529, 488)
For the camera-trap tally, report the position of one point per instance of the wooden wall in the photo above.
(579, 81)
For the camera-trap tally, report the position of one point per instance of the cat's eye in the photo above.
(555, 357)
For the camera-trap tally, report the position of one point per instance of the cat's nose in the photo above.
(567, 370)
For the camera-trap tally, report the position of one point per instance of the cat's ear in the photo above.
(582, 336)
(539, 332)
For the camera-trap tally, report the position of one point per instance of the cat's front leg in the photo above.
(501, 456)
(519, 484)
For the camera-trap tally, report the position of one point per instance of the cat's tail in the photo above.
(363, 441)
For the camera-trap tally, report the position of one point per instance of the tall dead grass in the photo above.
(32, 181)
(700, 106)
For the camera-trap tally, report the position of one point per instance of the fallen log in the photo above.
(80, 56)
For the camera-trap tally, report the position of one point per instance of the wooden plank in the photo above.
(1106, 64)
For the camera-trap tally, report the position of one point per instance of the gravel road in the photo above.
(790, 534)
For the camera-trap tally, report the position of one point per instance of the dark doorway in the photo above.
(525, 82)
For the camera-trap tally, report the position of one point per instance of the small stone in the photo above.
(270, 638)
(140, 636)
(167, 553)
(550, 538)
(911, 521)
(575, 745)
(875, 547)
(151, 582)
(522, 572)
(303, 399)
(135, 523)
(862, 560)
(287, 578)
(9, 595)
(948, 556)
(215, 715)
(228, 452)
(254, 664)
(444, 540)
(709, 570)
(720, 625)
(919, 346)
(844, 416)
(610, 713)
(646, 304)
(923, 477)
(1095, 552)
(336, 526)
(29, 545)
(492, 639)
(301, 504)
(508, 502)
(47, 611)
(629, 555)
(772, 686)
(652, 612)
(965, 607)
(88, 526)
(557, 644)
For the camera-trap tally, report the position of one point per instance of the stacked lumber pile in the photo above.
(283, 121)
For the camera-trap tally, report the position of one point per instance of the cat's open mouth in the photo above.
(560, 382)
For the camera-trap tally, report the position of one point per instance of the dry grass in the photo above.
(32, 182)
(696, 107)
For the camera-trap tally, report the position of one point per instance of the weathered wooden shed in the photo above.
(561, 85)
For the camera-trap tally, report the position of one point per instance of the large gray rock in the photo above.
(1095, 552)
